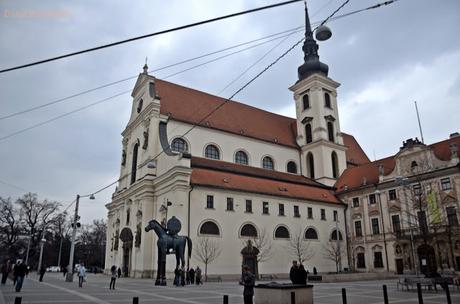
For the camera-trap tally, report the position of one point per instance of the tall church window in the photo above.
(179, 145)
(241, 158)
(248, 230)
(291, 167)
(327, 100)
(335, 167)
(308, 135)
(139, 106)
(330, 131)
(310, 165)
(306, 101)
(212, 152)
(267, 163)
(134, 163)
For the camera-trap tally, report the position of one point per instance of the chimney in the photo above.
(453, 152)
(455, 134)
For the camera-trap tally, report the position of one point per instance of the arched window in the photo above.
(330, 131)
(241, 158)
(282, 233)
(209, 228)
(311, 234)
(306, 101)
(267, 163)
(308, 135)
(334, 235)
(291, 167)
(179, 145)
(327, 100)
(212, 152)
(139, 106)
(248, 230)
(134, 164)
(310, 165)
(335, 166)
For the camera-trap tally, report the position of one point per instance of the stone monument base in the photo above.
(273, 292)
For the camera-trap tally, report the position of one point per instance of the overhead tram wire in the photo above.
(232, 96)
(147, 35)
(188, 60)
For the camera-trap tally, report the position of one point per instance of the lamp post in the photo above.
(42, 242)
(69, 277)
(28, 245)
(383, 229)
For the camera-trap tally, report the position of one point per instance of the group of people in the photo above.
(190, 276)
(298, 274)
(20, 270)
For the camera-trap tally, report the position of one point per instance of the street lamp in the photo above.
(42, 242)
(383, 228)
(69, 277)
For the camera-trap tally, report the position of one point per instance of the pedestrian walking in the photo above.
(81, 275)
(6, 269)
(192, 276)
(248, 280)
(42, 273)
(64, 271)
(314, 271)
(119, 272)
(21, 271)
(113, 278)
(198, 275)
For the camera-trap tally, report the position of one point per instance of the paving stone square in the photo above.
(54, 289)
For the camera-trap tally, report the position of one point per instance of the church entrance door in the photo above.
(427, 259)
(126, 236)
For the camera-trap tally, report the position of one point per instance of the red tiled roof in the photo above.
(189, 105)
(238, 182)
(353, 176)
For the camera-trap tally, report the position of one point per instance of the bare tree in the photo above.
(263, 243)
(10, 224)
(334, 251)
(300, 248)
(91, 241)
(206, 251)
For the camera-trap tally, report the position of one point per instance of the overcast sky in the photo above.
(384, 59)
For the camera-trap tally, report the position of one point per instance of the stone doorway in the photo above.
(126, 236)
(399, 266)
(427, 259)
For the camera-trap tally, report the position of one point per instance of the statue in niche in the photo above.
(123, 158)
(146, 140)
(116, 240)
(137, 241)
(111, 248)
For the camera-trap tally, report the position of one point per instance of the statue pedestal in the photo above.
(273, 292)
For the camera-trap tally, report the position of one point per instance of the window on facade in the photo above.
(334, 235)
(335, 165)
(265, 208)
(323, 214)
(311, 234)
(452, 216)
(306, 101)
(378, 260)
(267, 163)
(210, 202)
(335, 215)
(421, 215)
(372, 199)
(392, 194)
(134, 163)
(139, 106)
(327, 100)
(445, 184)
(248, 230)
(230, 204)
(417, 189)
(212, 152)
(355, 202)
(330, 131)
(310, 212)
(128, 213)
(360, 260)
(209, 228)
(281, 209)
(308, 134)
(296, 211)
(291, 167)
(248, 206)
(375, 226)
(310, 165)
(282, 233)
(396, 223)
(241, 158)
(179, 145)
(358, 229)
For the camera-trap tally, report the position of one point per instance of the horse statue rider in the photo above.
(169, 242)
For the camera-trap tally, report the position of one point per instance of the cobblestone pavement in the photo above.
(55, 290)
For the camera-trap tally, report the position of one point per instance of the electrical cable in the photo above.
(147, 35)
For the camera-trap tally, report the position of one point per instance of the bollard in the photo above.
(225, 299)
(419, 292)
(292, 297)
(385, 294)
(17, 300)
(449, 301)
(344, 296)
(136, 300)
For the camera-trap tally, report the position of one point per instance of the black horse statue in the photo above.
(169, 243)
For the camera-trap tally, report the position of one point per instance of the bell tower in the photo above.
(318, 127)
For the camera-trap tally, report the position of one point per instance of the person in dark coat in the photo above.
(21, 271)
(64, 271)
(198, 276)
(248, 280)
(42, 273)
(119, 272)
(6, 269)
(302, 275)
(314, 271)
(113, 278)
(187, 277)
(192, 276)
(182, 277)
(294, 273)
(176, 277)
